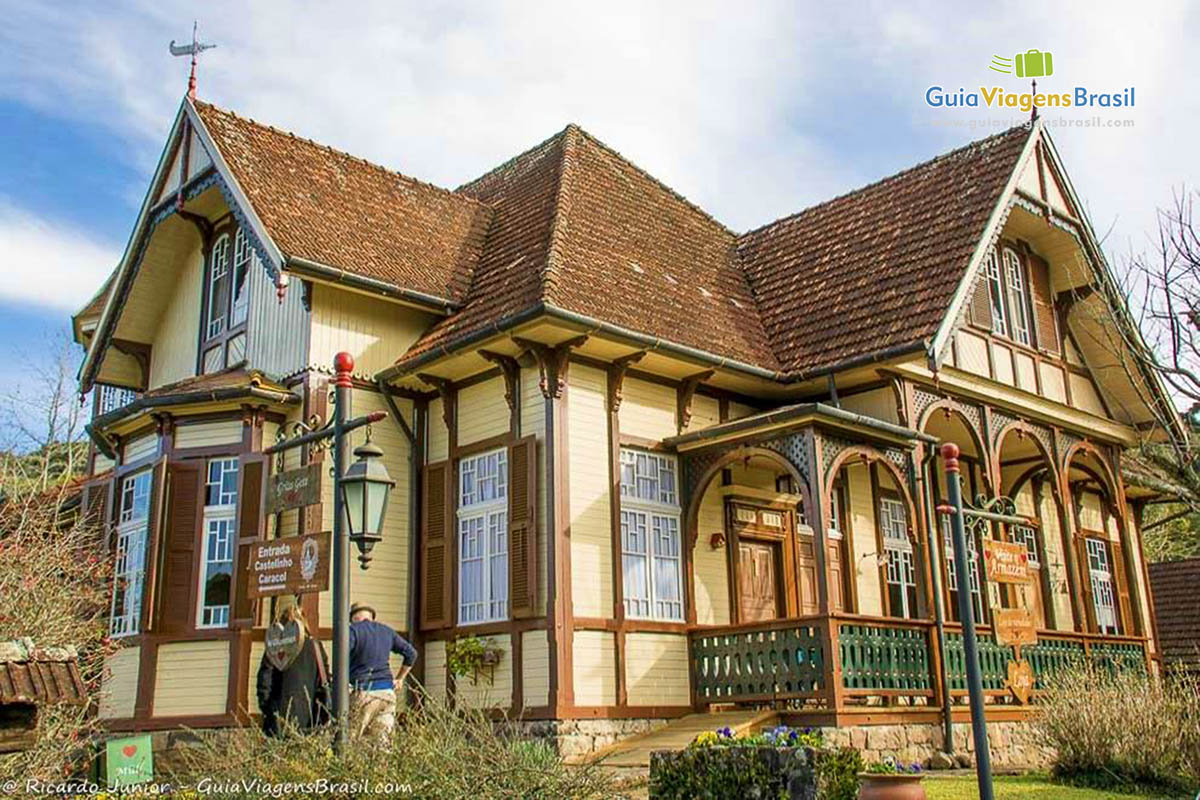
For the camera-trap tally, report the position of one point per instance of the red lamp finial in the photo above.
(950, 454)
(343, 365)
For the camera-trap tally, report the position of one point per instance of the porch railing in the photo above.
(801, 659)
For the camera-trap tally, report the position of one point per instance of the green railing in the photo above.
(993, 662)
(1118, 656)
(777, 660)
(1049, 655)
(882, 657)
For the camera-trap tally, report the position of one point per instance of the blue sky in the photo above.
(754, 111)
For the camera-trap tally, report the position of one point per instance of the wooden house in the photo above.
(660, 465)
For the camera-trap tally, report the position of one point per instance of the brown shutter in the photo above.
(179, 547)
(1085, 582)
(1121, 576)
(437, 567)
(97, 501)
(522, 527)
(1043, 305)
(251, 469)
(980, 310)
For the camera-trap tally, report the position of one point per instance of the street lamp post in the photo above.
(359, 504)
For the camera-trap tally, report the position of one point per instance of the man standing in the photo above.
(373, 696)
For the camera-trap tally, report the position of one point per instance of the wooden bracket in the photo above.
(445, 390)
(140, 353)
(165, 424)
(511, 371)
(616, 377)
(552, 363)
(685, 393)
(202, 225)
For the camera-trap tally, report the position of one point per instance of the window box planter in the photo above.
(890, 786)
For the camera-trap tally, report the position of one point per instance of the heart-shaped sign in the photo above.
(129, 750)
(283, 643)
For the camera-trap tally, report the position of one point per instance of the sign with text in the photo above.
(1014, 626)
(1020, 680)
(294, 488)
(1006, 562)
(291, 565)
(129, 761)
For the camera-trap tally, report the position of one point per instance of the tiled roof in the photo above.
(326, 206)
(40, 675)
(876, 269)
(1173, 584)
(228, 384)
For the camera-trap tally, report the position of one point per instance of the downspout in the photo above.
(939, 609)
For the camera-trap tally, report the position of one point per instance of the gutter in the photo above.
(101, 441)
(795, 412)
(324, 272)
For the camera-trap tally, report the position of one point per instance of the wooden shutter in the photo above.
(437, 567)
(980, 311)
(1043, 305)
(522, 527)
(96, 505)
(251, 472)
(1085, 583)
(1116, 554)
(180, 543)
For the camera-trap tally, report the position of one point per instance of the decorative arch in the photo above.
(1022, 429)
(1111, 486)
(954, 408)
(872, 456)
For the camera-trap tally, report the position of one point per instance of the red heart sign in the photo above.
(129, 750)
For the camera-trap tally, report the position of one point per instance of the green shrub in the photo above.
(1125, 729)
(837, 773)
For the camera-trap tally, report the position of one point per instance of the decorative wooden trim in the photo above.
(140, 353)
(446, 391)
(552, 363)
(616, 378)
(683, 397)
(629, 440)
(510, 369)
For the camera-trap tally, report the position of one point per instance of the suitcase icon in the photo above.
(1034, 64)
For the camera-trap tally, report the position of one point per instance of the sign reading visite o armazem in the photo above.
(291, 565)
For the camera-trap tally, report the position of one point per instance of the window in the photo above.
(483, 538)
(110, 398)
(651, 555)
(130, 568)
(1027, 535)
(227, 302)
(835, 512)
(1103, 592)
(1009, 296)
(900, 570)
(952, 572)
(220, 512)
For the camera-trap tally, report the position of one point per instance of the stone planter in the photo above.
(743, 772)
(878, 786)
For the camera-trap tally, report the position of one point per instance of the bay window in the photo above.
(219, 526)
(483, 538)
(651, 553)
(129, 571)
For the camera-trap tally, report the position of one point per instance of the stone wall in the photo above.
(1013, 745)
(579, 737)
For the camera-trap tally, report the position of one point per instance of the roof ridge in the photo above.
(508, 163)
(549, 276)
(338, 152)
(955, 153)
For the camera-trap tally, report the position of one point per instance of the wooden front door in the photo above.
(806, 561)
(758, 581)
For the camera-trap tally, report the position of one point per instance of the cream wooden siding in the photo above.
(973, 353)
(376, 332)
(878, 403)
(1091, 518)
(1026, 372)
(270, 431)
(711, 566)
(384, 586)
(256, 653)
(739, 410)
(588, 482)
(141, 447)
(1003, 364)
(647, 409)
(1139, 576)
(594, 661)
(173, 356)
(119, 369)
(1052, 539)
(706, 412)
(535, 667)
(1084, 395)
(276, 331)
(438, 442)
(656, 669)
(209, 434)
(102, 463)
(192, 678)
(533, 423)
(496, 693)
(1054, 385)
(118, 689)
(862, 520)
(482, 412)
(434, 656)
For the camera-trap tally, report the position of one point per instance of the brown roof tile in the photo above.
(323, 205)
(1173, 584)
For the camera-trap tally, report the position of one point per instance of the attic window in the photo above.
(1008, 294)
(226, 301)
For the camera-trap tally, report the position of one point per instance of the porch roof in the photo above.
(786, 418)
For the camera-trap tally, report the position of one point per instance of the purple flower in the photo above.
(725, 733)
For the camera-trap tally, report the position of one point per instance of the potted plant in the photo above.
(468, 655)
(891, 779)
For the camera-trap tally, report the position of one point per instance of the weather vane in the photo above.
(194, 49)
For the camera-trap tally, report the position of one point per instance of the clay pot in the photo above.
(874, 786)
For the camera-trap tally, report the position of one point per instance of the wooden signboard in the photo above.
(1014, 626)
(1020, 680)
(1006, 562)
(294, 488)
(291, 565)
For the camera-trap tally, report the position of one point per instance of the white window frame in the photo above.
(1027, 535)
(651, 538)
(133, 520)
(835, 512)
(239, 303)
(218, 268)
(1018, 309)
(972, 565)
(1104, 588)
(900, 569)
(482, 532)
(220, 537)
(995, 279)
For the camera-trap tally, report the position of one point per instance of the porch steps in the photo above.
(634, 752)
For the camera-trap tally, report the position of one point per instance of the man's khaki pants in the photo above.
(374, 712)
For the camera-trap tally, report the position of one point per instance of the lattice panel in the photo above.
(923, 399)
(1000, 421)
(831, 448)
(1066, 441)
(758, 665)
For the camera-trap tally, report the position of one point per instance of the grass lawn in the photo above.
(962, 787)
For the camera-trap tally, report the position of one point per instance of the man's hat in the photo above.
(357, 607)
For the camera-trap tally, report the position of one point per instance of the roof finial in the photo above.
(194, 49)
(1033, 103)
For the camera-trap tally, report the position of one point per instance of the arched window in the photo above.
(1008, 293)
(226, 302)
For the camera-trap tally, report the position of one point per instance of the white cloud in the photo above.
(49, 265)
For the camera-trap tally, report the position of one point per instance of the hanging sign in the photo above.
(129, 761)
(1020, 680)
(294, 488)
(1014, 626)
(1006, 562)
(291, 565)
